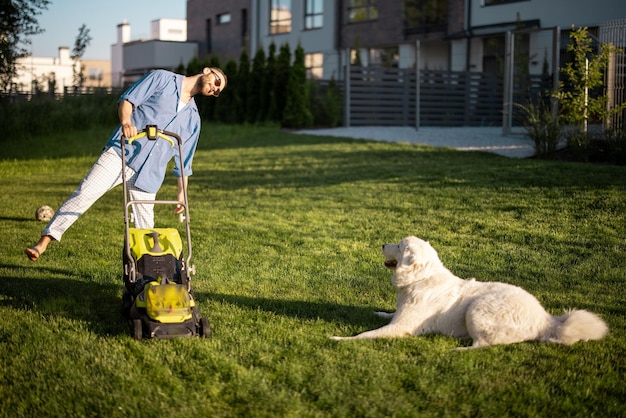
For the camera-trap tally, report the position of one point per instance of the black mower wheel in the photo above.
(137, 329)
(205, 328)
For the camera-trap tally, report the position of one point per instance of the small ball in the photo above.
(44, 213)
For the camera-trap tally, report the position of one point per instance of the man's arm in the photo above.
(124, 110)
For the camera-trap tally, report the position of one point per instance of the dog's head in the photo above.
(410, 259)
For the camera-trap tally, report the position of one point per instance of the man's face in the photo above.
(210, 83)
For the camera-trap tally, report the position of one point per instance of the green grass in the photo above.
(287, 232)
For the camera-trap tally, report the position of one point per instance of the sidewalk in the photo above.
(489, 139)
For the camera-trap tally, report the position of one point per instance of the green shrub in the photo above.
(542, 126)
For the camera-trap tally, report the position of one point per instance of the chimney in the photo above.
(123, 32)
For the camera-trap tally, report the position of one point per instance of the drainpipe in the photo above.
(468, 31)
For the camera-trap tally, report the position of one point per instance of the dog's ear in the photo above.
(411, 258)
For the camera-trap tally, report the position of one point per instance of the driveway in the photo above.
(487, 139)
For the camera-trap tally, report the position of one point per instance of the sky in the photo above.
(62, 19)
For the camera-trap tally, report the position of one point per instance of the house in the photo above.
(167, 49)
(36, 74)
(225, 29)
(454, 35)
(96, 73)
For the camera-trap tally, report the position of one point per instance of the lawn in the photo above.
(287, 231)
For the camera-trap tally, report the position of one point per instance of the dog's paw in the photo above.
(339, 338)
(384, 314)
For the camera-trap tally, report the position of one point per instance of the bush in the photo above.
(296, 113)
(542, 126)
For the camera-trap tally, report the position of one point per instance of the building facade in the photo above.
(455, 35)
(167, 49)
(45, 74)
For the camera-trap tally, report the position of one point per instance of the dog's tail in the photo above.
(578, 325)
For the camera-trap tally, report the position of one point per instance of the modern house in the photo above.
(455, 35)
(167, 49)
(45, 73)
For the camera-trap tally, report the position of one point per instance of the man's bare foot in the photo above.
(34, 252)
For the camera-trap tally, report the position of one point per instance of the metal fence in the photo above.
(387, 97)
(614, 33)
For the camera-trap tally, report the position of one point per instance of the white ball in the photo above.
(44, 213)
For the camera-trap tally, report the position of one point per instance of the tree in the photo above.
(584, 77)
(17, 22)
(256, 87)
(296, 113)
(80, 45)
(283, 63)
(268, 97)
(241, 87)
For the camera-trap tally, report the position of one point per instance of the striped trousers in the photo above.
(104, 175)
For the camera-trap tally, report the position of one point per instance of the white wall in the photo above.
(563, 13)
(60, 68)
(169, 30)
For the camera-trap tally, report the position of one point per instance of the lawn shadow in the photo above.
(305, 310)
(96, 304)
(442, 168)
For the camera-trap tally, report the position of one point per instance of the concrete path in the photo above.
(465, 138)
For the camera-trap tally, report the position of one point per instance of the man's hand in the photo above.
(129, 130)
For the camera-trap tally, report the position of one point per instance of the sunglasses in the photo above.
(217, 82)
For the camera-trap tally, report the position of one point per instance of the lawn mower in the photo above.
(158, 301)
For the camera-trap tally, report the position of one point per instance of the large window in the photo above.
(362, 10)
(280, 16)
(314, 64)
(314, 14)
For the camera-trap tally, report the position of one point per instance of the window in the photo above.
(280, 16)
(209, 46)
(384, 57)
(223, 18)
(314, 64)
(95, 74)
(423, 16)
(314, 14)
(362, 10)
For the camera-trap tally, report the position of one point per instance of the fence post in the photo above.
(507, 98)
(346, 90)
(556, 68)
(417, 84)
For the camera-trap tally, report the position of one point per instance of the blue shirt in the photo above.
(155, 100)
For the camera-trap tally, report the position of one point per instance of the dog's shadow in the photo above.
(305, 310)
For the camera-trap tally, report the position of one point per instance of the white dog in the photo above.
(430, 299)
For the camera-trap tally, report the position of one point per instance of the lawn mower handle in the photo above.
(152, 132)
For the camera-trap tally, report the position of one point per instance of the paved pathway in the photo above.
(465, 138)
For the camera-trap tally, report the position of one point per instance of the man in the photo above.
(160, 98)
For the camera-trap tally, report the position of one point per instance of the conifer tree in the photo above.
(256, 85)
(283, 64)
(267, 96)
(229, 105)
(296, 113)
(242, 86)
